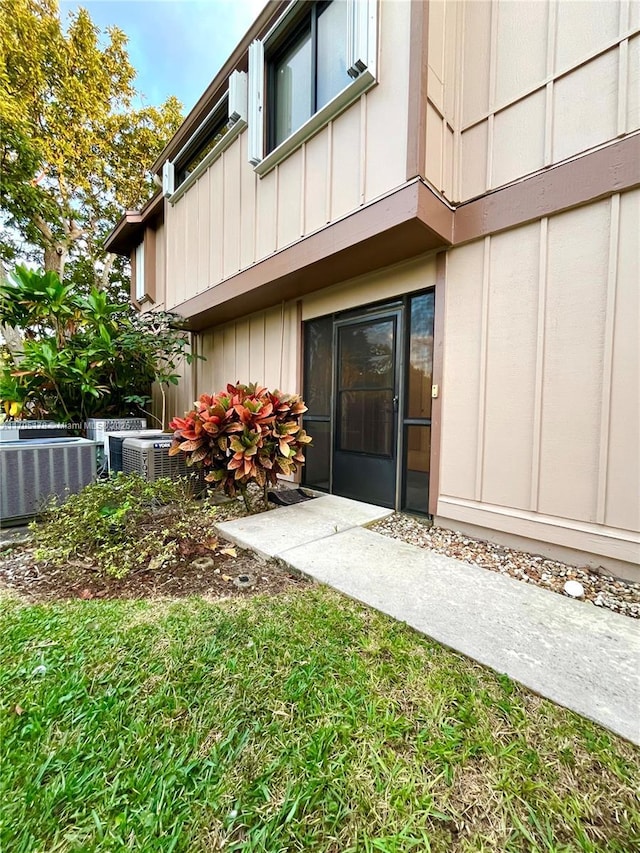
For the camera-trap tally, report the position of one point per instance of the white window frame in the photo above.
(141, 291)
(362, 52)
(234, 101)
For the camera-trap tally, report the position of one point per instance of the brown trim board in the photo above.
(150, 263)
(126, 233)
(438, 366)
(418, 66)
(383, 233)
(589, 177)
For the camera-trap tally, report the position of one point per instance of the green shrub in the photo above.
(117, 526)
(82, 355)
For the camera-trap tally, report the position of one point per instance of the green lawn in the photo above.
(301, 722)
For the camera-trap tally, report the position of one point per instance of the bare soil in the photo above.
(222, 576)
(38, 582)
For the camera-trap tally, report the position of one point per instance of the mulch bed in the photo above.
(224, 577)
(36, 582)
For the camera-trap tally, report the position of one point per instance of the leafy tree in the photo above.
(82, 355)
(74, 152)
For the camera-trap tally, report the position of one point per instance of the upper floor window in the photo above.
(220, 128)
(308, 69)
(201, 143)
(318, 58)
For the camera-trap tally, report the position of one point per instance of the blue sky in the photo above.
(176, 46)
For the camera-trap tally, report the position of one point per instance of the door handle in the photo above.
(395, 404)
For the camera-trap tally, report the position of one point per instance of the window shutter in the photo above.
(256, 102)
(237, 96)
(361, 35)
(168, 178)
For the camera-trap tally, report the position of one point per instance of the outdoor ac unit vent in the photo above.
(32, 472)
(19, 430)
(115, 440)
(150, 458)
(97, 428)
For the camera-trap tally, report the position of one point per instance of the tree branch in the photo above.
(42, 227)
(108, 264)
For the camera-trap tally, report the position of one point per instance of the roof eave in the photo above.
(128, 232)
(237, 60)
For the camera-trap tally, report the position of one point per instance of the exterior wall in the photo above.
(160, 266)
(230, 218)
(541, 415)
(266, 347)
(263, 348)
(416, 274)
(177, 398)
(516, 87)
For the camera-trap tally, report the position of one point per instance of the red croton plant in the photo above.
(241, 435)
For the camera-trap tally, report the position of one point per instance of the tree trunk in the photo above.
(13, 341)
(55, 258)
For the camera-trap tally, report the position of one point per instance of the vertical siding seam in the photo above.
(488, 169)
(277, 203)
(328, 199)
(281, 343)
(552, 30)
(303, 184)
(255, 217)
(222, 209)
(458, 99)
(493, 82)
(363, 148)
(539, 373)
(623, 86)
(264, 349)
(484, 348)
(240, 241)
(607, 359)
(438, 178)
(235, 354)
(548, 124)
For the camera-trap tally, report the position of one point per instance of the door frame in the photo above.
(393, 310)
(398, 304)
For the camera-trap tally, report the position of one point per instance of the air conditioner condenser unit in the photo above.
(97, 428)
(115, 440)
(33, 471)
(150, 458)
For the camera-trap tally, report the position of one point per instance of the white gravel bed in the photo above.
(599, 589)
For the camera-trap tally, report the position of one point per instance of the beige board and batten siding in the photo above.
(515, 87)
(266, 346)
(263, 348)
(230, 218)
(541, 384)
(386, 284)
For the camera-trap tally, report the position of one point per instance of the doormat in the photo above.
(288, 497)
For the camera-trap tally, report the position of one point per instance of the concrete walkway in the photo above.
(580, 656)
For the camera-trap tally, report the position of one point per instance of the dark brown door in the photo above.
(366, 413)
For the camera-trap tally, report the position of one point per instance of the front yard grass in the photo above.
(299, 722)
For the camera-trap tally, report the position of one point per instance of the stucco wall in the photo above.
(541, 410)
(514, 87)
